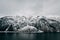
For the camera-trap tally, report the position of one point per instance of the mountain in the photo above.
(36, 24)
(10, 23)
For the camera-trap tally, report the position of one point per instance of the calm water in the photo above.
(19, 36)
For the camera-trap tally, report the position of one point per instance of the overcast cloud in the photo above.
(30, 7)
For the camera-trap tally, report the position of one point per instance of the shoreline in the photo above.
(17, 32)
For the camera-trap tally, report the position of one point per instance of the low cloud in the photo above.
(30, 7)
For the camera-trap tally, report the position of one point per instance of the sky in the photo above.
(30, 7)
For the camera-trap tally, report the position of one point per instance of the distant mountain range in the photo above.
(31, 24)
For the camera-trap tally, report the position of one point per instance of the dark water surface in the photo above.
(19, 36)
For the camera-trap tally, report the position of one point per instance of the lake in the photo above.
(26, 36)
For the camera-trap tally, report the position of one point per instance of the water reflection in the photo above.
(48, 36)
(18, 36)
(28, 36)
(41, 36)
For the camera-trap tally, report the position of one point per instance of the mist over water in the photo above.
(40, 36)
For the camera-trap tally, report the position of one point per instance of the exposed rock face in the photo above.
(17, 23)
(48, 25)
(10, 23)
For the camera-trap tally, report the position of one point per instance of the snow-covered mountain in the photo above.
(38, 23)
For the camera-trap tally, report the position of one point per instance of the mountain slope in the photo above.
(17, 23)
